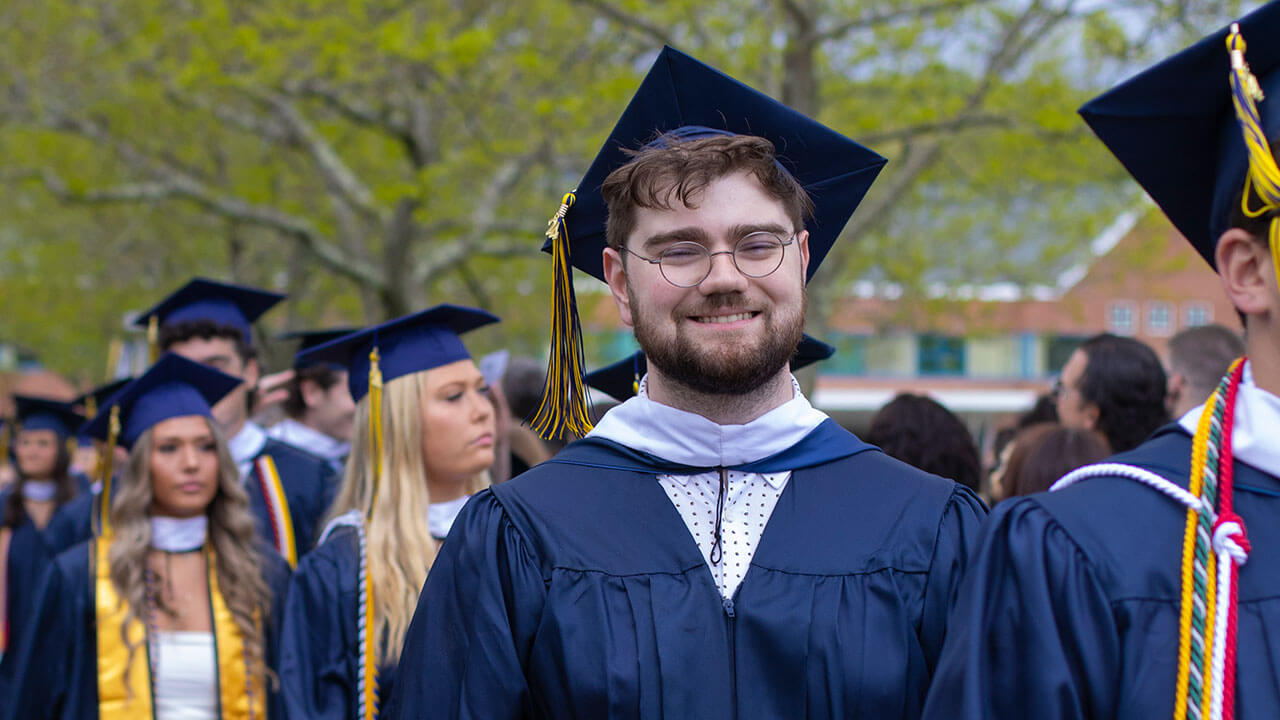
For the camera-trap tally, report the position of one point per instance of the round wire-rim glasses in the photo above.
(686, 264)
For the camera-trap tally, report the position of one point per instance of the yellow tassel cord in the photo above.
(106, 468)
(153, 340)
(375, 425)
(1263, 178)
(6, 439)
(564, 396)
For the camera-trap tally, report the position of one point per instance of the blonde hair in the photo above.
(400, 547)
(231, 535)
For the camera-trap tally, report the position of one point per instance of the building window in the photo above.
(850, 357)
(1159, 319)
(1120, 318)
(941, 355)
(1196, 313)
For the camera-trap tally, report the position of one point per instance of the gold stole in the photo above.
(242, 696)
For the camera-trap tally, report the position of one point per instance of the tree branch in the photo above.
(875, 19)
(939, 127)
(626, 19)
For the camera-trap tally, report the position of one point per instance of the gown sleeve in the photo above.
(316, 678)
(958, 533)
(46, 655)
(465, 653)
(276, 573)
(1032, 633)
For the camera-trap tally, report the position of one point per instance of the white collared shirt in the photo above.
(1253, 436)
(297, 434)
(689, 439)
(246, 445)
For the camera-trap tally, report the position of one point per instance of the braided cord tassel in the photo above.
(1263, 177)
(1232, 546)
(564, 397)
(367, 692)
(106, 469)
(375, 425)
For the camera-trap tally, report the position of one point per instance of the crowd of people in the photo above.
(395, 543)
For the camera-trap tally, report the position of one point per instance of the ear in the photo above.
(802, 242)
(1091, 413)
(616, 275)
(312, 394)
(252, 373)
(1173, 390)
(1247, 271)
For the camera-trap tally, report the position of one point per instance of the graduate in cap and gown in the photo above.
(715, 547)
(289, 488)
(73, 522)
(319, 410)
(423, 444)
(44, 484)
(170, 611)
(1148, 586)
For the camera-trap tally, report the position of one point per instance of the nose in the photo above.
(481, 407)
(724, 276)
(190, 457)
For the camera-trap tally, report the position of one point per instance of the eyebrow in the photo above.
(698, 235)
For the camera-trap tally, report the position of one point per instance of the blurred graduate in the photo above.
(320, 412)
(170, 612)
(1149, 586)
(715, 547)
(424, 439)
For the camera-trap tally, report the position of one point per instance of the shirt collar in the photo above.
(440, 516)
(247, 443)
(1257, 414)
(308, 438)
(690, 439)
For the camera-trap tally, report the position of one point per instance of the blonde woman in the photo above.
(166, 614)
(423, 441)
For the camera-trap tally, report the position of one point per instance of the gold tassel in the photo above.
(105, 466)
(153, 340)
(6, 440)
(564, 396)
(1263, 177)
(375, 425)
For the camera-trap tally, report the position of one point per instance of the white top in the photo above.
(308, 438)
(246, 445)
(440, 516)
(1257, 415)
(186, 679)
(690, 439)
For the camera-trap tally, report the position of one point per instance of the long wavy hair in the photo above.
(231, 535)
(400, 546)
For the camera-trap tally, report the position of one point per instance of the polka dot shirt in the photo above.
(748, 503)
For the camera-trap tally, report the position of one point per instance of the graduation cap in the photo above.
(173, 387)
(35, 413)
(621, 380)
(1180, 128)
(683, 99)
(98, 397)
(309, 339)
(234, 306)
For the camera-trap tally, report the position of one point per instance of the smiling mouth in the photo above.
(723, 319)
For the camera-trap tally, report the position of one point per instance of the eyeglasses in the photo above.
(686, 264)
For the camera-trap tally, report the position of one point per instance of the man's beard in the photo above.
(736, 370)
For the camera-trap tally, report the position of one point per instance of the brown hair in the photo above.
(1044, 452)
(671, 168)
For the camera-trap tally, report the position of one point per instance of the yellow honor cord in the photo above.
(564, 397)
(1263, 177)
(375, 425)
(1198, 452)
(106, 468)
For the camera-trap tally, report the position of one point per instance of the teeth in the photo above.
(725, 318)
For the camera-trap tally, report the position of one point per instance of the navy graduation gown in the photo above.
(576, 591)
(27, 559)
(319, 643)
(309, 485)
(1070, 606)
(57, 676)
(72, 523)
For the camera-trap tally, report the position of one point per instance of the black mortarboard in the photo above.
(409, 344)
(35, 413)
(309, 339)
(683, 98)
(1175, 129)
(235, 306)
(173, 387)
(621, 379)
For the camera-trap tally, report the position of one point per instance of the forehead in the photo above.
(460, 371)
(733, 200)
(202, 349)
(182, 426)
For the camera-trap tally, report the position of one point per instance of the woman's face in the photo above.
(457, 422)
(37, 452)
(184, 467)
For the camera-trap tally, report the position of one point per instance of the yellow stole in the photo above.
(242, 696)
